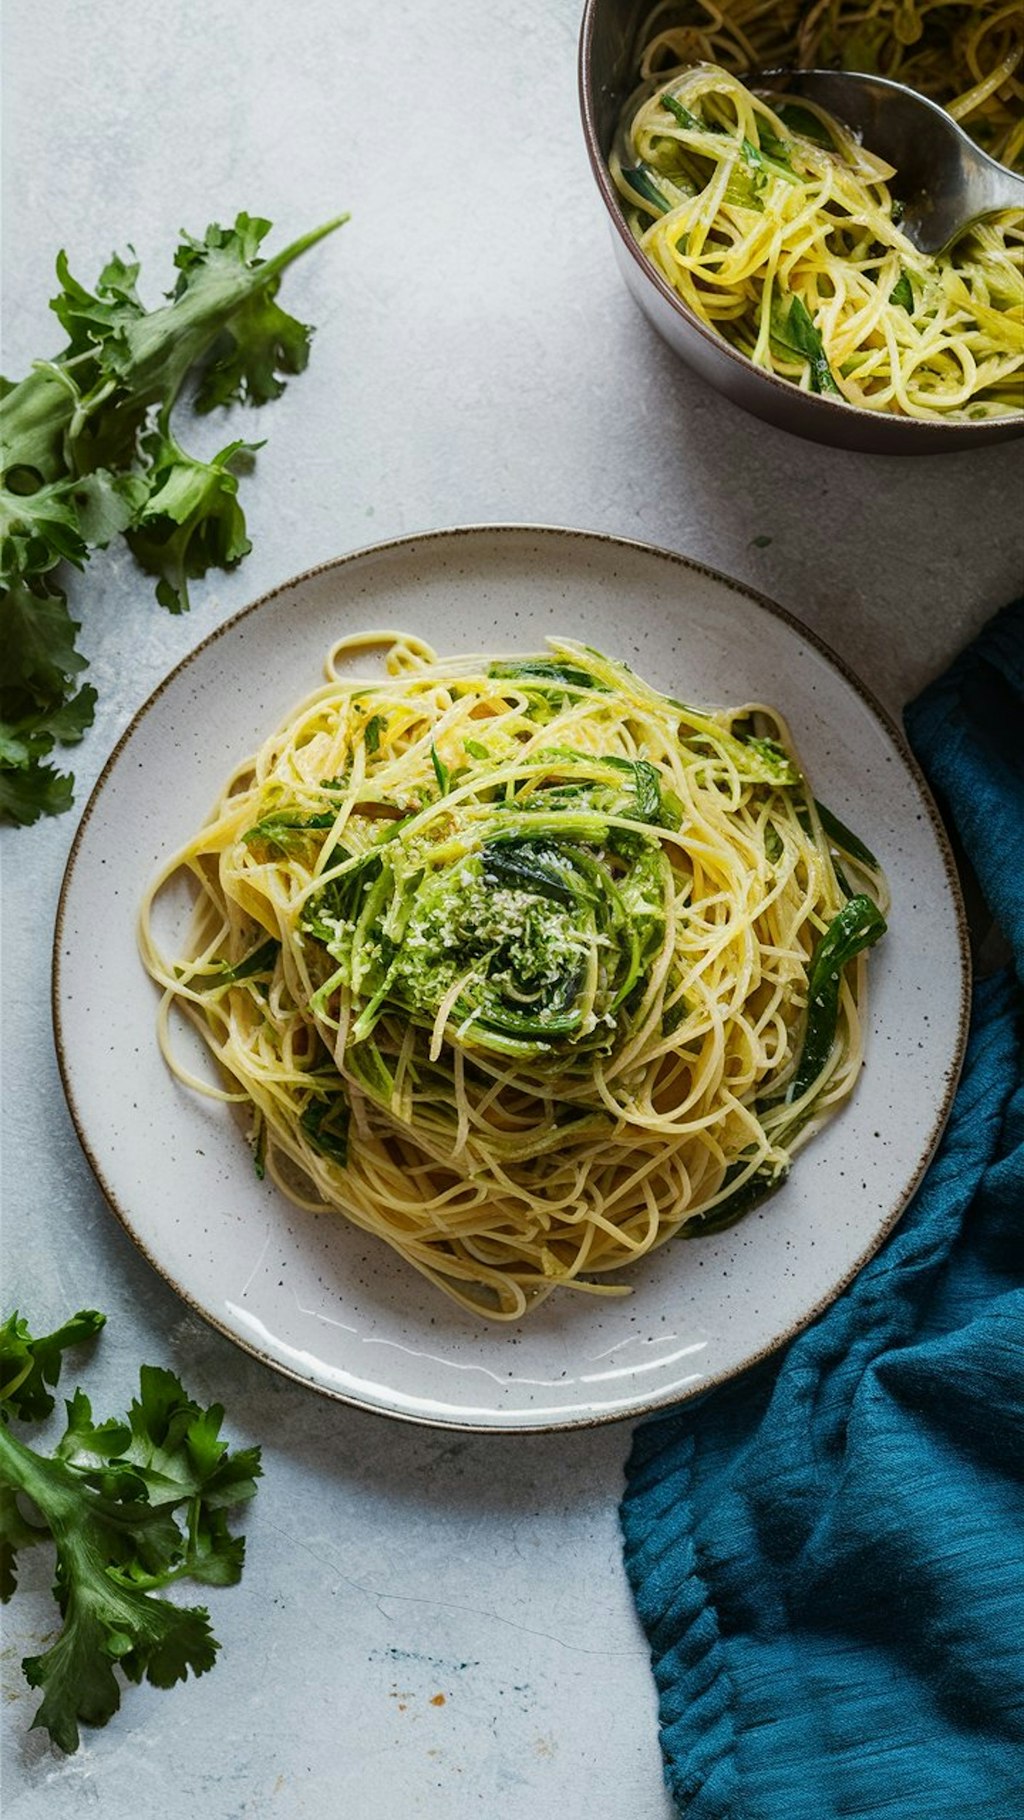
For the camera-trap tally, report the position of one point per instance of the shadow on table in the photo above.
(400, 1460)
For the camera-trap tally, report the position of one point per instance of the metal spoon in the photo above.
(943, 179)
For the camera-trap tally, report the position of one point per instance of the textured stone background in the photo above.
(476, 360)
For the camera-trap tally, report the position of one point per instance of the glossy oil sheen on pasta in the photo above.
(778, 229)
(520, 965)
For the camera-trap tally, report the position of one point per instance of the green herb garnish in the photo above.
(801, 120)
(903, 293)
(87, 453)
(683, 116)
(795, 331)
(441, 771)
(289, 833)
(644, 181)
(130, 1505)
(857, 926)
(262, 960)
(841, 836)
(325, 1123)
(533, 671)
(757, 1187)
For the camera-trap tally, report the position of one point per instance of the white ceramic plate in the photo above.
(318, 1299)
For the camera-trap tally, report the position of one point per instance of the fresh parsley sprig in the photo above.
(87, 453)
(130, 1505)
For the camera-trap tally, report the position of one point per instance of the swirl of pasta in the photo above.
(521, 965)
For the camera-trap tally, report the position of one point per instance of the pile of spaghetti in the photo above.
(779, 229)
(968, 55)
(521, 965)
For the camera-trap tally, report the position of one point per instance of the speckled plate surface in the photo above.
(316, 1298)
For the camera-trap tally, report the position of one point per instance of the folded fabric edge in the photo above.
(700, 1706)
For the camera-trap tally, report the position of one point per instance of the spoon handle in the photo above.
(933, 218)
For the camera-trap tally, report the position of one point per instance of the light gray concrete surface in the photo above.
(476, 360)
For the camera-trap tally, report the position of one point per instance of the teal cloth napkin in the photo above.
(828, 1554)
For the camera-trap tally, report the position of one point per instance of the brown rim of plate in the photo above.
(953, 1074)
(965, 428)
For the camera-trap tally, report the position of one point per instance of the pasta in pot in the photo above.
(968, 57)
(779, 230)
(521, 965)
